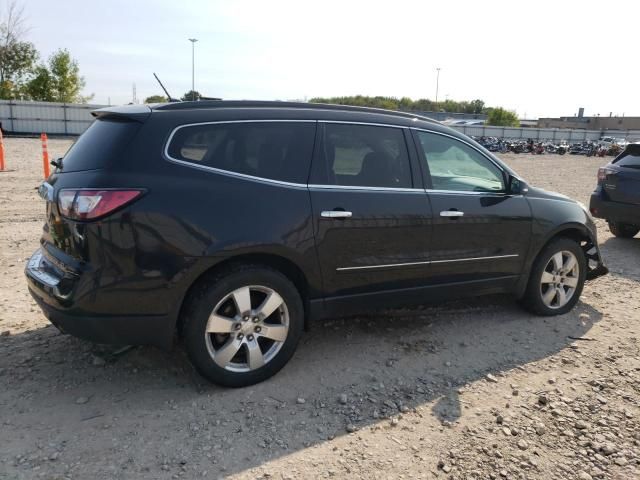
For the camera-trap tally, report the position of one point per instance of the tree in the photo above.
(155, 99)
(66, 78)
(17, 57)
(191, 95)
(477, 106)
(59, 81)
(41, 86)
(502, 118)
(406, 104)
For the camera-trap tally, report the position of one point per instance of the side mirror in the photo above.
(517, 186)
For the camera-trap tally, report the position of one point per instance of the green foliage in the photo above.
(41, 86)
(502, 118)
(477, 106)
(155, 99)
(191, 95)
(406, 104)
(66, 78)
(17, 60)
(59, 81)
(21, 77)
(17, 57)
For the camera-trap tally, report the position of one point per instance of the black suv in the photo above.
(617, 195)
(234, 223)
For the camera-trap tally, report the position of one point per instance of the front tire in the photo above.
(242, 326)
(623, 230)
(557, 278)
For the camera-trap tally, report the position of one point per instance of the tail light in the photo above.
(90, 204)
(602, 175)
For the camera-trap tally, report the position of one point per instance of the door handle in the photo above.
(451, 213)
(335, 214)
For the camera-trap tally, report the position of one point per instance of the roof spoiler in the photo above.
(136, 113)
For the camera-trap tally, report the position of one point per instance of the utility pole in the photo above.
(437, 84)
(193, 67)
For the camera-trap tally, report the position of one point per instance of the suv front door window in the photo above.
(455, 166)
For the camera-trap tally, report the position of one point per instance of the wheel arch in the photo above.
(574, 231)
(277, 262)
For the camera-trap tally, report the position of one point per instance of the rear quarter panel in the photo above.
(198, 218)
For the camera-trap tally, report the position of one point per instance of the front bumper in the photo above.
(614, 211)
(54, 293)
(595, 264)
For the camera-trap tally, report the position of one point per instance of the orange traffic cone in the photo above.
(45, 155)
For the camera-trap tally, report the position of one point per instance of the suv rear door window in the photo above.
(365, 156)
(274, 150)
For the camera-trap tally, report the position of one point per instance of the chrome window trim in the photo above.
(282, 183)
(229, 173)
(242, 176)
(428, 262)
(371, 124)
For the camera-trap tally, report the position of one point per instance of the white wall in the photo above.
(545, 133)
(52, 118)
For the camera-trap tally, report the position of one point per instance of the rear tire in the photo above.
(557, 278)
(242, 326)
(623, 230)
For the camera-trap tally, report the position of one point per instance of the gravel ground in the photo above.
(473, 389)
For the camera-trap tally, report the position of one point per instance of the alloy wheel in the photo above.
(559, 279)
(247, 328)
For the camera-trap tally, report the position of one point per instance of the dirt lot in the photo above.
(474, 389)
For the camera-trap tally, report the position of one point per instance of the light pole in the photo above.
(193, 67)
(437, 84)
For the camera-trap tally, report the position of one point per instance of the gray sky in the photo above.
(543, 58)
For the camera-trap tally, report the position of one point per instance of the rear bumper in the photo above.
(614, 211)
(52, 295)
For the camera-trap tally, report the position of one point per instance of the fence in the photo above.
(20, 117)
(553, 134)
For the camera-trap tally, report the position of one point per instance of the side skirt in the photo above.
(367, 302)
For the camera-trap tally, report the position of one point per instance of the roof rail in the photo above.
(204, 104)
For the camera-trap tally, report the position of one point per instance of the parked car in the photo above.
(233, 224)
(617, 194)
(609, 142)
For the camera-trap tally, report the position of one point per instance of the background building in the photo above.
(591, 123)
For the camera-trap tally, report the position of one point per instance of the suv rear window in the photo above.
(275, 150)
(103, 141)
(630, 158)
